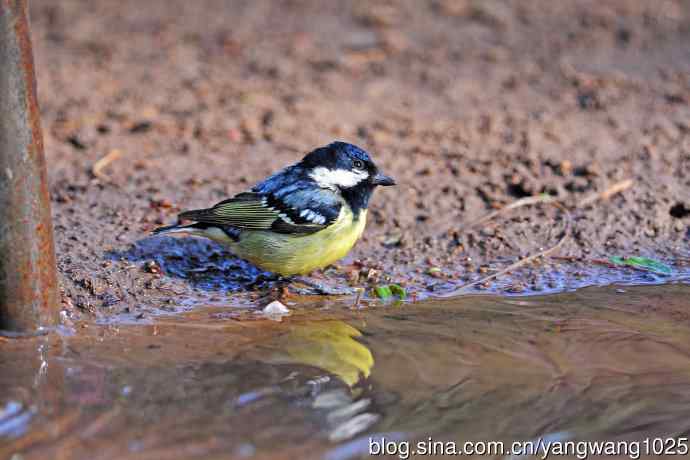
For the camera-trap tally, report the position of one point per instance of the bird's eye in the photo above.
(358, 164)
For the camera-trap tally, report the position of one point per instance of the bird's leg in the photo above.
(318, 288)
(275, 286)
(266, 277)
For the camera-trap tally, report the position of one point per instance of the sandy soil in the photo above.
(469, 104)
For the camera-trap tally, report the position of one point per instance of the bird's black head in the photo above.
(342, 165)
(347, 168)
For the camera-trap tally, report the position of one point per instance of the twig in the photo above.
(583, 260)
(542, 199)
(98, 166)
(604, 262)
(606, 194)
(539, 199)
(568, 258)
(528, 259)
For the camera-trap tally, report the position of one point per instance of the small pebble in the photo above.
(276, 309)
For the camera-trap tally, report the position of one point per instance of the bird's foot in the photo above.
(265, 279)
(314, 287)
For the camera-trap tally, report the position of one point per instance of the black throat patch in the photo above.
(358, 197)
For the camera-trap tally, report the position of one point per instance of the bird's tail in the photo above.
(175, 229)
(223, 235)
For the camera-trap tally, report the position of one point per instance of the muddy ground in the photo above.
(470, 105)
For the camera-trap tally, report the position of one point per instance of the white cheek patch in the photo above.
(332, 178)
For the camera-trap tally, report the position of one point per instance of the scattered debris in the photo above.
(161, 204)
(98, 166)
(393, 239)
(152, 267)
(616, 188)
(436, 272)
(140, 127)
(275, 310)
(398, 291)
(385, 292)
(643, 263)
(543, 253)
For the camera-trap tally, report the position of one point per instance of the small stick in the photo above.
(606, 194)
(526, 260)
(516, 204)
(605, 262)
(568, 258)
(97, 168)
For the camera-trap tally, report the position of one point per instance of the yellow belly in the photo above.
(300, 254)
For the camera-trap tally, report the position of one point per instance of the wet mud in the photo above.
(150, 108)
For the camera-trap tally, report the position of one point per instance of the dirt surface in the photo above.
(470, 105)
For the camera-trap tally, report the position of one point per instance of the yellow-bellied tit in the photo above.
(305, 217)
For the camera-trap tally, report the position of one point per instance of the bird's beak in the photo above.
(382, 179)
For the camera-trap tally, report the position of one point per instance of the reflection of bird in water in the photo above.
(331, 346)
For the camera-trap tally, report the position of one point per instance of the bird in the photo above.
(302, 218)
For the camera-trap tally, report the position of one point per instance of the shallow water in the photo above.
(607, 363)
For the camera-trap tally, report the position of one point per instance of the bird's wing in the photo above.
(293, 209)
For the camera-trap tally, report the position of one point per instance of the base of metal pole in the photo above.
(28, 283)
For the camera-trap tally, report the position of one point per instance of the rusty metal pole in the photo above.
(28, 283)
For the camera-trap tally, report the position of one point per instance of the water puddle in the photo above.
(608, 363)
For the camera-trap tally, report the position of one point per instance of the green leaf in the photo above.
(649, 264)
(617, 260)
(644, 263)
(383, 292)
(398, 291)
